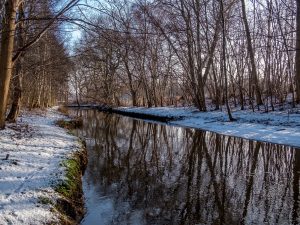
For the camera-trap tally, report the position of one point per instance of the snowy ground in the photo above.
(36, 147)
(280, 127)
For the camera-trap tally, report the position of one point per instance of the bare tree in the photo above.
(224, 68)
(18, 77)
(254, 74)
(6, 53)
(297, 57)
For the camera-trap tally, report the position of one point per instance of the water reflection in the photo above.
(145, 173)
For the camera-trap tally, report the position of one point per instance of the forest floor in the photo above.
(281, 126)
(32, 152)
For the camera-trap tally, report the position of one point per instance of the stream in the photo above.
(140, 172)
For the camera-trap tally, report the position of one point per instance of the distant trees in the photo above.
(24, 28)
(171, 52)
(193, 35)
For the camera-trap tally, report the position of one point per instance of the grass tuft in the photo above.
(70, 205)
(70, 184)
(45, 201)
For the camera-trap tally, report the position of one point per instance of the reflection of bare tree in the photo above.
(182, 176)
(296, 174)
(249, 185)
(128, 157)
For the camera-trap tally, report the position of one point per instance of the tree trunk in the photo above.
(224, 62)
(134, 98)
(297, 58)
(17, 81)
(251, 55)
(6, 51)
(17, 94)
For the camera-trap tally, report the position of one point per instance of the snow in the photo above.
(279, 127)
(36, 147)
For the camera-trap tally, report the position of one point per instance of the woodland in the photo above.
(203, 53)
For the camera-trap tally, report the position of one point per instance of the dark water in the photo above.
(145, 173)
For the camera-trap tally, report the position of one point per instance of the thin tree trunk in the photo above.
(130, 80)
(17, 94)
(296, 189)
(6, 51)
(224, 62)
(251, 55)
(297, 58)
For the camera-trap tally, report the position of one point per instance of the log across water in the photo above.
(138, 115)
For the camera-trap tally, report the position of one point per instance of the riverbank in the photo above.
(41, 166)
(279, 127)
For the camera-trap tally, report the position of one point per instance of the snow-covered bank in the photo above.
(36, 149)
(280, 127)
